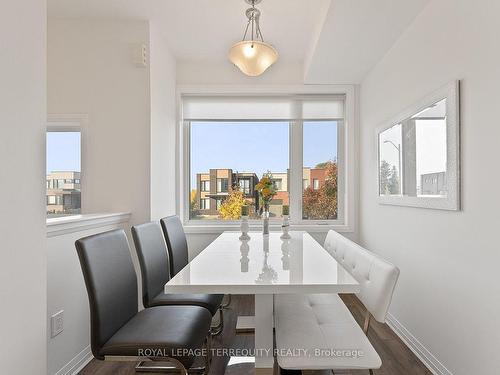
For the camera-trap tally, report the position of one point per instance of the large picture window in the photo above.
(233, 141)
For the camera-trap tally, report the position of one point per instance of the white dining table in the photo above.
(263, 266)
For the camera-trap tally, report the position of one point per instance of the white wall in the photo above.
(448, 292)
(223, 72)
(22, 216)
(163, 125)
(91, 71)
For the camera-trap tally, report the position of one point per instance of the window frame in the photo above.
(347, 160)
(72, 123)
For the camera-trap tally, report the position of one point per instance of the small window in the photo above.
(63, 173)
(205, 204)
(205, 185)
(315, 184)
(222, 185)
(245, 186)
(278, 184)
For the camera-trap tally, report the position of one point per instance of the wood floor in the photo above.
(397, 359)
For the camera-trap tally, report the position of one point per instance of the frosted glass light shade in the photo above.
(252, 57)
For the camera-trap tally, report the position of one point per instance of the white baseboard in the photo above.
(428, 359)
(74, 366)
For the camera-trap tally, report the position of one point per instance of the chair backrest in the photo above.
(176, 243)
(111, 284)
(376, 276)
(153, 258)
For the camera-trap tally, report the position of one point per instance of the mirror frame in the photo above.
(450, 92)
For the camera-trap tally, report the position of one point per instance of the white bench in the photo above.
(321, 327)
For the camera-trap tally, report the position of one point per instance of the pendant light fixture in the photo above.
(253, 56)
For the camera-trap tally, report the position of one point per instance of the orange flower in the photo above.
(266, 192)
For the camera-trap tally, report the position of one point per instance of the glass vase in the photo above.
(265, 220)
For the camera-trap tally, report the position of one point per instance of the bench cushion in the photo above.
(324, 328)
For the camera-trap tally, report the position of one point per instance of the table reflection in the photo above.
(244, 260)
(268, 273)
(285, 250)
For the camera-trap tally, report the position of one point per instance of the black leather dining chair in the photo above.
(175, 237)
(119, 331)
(155, 265)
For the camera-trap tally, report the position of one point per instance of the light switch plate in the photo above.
(57, 323)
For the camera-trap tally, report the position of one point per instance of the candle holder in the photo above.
(285, 227)
(244, 228)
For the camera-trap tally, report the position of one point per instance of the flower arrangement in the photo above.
(266, 190)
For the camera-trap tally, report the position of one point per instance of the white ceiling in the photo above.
(198, 30)
(356, 35)
(338, 40)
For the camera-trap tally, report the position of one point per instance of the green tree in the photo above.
(385, 175)
(394, 181)
(322, 165)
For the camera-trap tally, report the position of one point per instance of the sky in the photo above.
(63, 151)
(243, 147)
(256, 146)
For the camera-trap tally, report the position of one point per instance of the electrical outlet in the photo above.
(57, 323)
(140, 55)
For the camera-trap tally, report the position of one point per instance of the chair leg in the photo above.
(371, 371)
(208, 356)
(220, 327)
(176, 368)
(228, 302)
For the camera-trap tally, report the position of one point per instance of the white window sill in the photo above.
(274, 227)
(76, 223)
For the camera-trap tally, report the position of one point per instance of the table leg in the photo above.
(264, 316)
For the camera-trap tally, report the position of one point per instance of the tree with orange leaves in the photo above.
(322, 204)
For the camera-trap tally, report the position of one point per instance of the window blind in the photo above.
(262, 108)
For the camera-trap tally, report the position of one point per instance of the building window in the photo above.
(222, 185)
(227, 140)
(278, 184)
(205, 185)
(205, 204)
(245, 186)
(63, 171)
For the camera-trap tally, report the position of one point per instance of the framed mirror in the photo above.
(418, 154)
